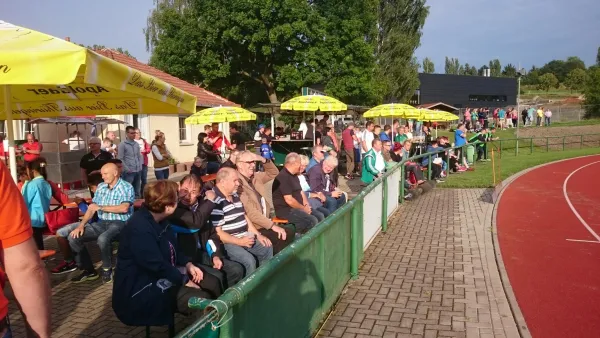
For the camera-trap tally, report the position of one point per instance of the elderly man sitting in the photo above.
(320, 181)
(252, 194)
(318, 154)
(288, 199)
(243, 243)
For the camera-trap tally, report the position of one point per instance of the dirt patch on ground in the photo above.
(560, 135)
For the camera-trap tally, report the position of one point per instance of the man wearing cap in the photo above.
(258, 136)
(92, 162)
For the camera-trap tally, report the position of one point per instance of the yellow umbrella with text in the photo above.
(43, 76)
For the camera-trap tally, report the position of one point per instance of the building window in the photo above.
(184, 131)
(487, 98)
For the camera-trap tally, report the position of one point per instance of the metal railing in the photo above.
(532, 144)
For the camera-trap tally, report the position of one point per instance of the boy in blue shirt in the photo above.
(265, 150)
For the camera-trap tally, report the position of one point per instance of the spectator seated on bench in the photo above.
(196, 236)
(320, 181)
(316, 200)
(113, 201)
(252, 193)
(411, 167)
(436, 161)
(153, 277)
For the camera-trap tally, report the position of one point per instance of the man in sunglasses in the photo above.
(253, 194)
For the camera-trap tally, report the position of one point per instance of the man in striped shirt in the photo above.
(113, 201)
(243, 243)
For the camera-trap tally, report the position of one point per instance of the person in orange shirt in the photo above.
(20, 260)
(217, 138)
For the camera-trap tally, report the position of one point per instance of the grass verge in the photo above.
(482, 176)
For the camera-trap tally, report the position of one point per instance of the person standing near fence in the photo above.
(540, 114)
(130, 153)
(547, 117)
(348, 139)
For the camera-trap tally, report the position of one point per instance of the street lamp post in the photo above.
(520, 74)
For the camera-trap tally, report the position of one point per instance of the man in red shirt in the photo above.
(348, 138)
(216, 138)
(31, 149)
(20, 259)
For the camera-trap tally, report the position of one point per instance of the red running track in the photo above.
(556, 281)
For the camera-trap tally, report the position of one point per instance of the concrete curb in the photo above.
(508, 290)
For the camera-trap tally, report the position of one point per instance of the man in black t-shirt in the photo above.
(288, 200)
(237, 139)
(92, 162)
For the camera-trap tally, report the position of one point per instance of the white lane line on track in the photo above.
(592, 232)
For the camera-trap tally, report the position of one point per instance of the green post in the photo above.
(354, 245)
(402, 179)
(547, 144)
(563, 143)
(531, 146)
(429, 167)
(384, 223)
(581, 145)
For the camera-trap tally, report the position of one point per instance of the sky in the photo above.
(525, 32)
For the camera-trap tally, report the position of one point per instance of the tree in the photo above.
(452, 66)
(547, 81)
(598, 57)
(531, 78)
(248, 51)
(495, 68)
(469, 70)
(118, 49)
(428, 66)
(576, 79)
(509, 71)
(591, 91)
(400, 26)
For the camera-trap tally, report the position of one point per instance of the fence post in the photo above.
(563, 143)
(517, 148)
(531, 146)
(500, 148)
(402, 180)
(429, 167)
(581, 145)
(354, 245)
(384, 223)
(547, 144)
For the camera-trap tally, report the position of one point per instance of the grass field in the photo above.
(507, 166)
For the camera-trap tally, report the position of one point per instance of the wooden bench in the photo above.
(209, 178)
(46, 253)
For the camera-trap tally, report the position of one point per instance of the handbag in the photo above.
(59, 218)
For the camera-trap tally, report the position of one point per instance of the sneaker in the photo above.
(64, 267)
(439, 180)
(106, 275)
(85, 276)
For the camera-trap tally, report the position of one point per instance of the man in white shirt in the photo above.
(367, 139)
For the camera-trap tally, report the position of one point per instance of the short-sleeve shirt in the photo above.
(347, 138)
(238, 140)
(121, 193)
(15, 226)
(90, 163)
(368, 138)
(459, 140)
(229, 215)
(217, 145)
(285, 184)
(31, 146)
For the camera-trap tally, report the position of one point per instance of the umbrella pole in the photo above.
(10, 133)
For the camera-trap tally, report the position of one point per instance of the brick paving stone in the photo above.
(433, 274)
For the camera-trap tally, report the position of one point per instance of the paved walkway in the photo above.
(433, 274)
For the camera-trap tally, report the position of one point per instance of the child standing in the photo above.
(37, 194)
(265, 150)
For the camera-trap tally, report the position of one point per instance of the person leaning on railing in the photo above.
(437, 164)
(478, 141)
(410, 166)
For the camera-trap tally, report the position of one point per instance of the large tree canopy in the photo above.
(252, 51)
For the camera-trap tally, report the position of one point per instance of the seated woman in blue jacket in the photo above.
(153, 278)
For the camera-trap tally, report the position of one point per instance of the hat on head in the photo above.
(260, 126)
(397, 146)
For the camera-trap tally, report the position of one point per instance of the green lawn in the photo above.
(576, 123)
(509, 165)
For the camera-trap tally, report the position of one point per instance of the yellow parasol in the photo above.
(436, 116)
(314, 103)
(220, 114)
(43, 76)
(391, 109)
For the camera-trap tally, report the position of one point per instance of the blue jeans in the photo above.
(304, 221)
(162, 174)
(104, 232)
(135, 179)
(248, 257)
(332, 203)
(143, 178)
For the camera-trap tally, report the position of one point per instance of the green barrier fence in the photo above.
(292, 294)
(529, 145)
